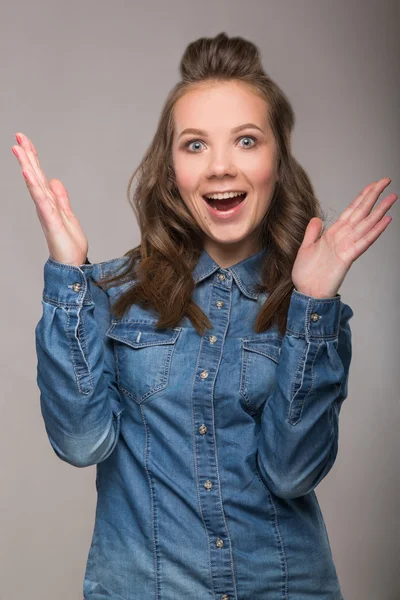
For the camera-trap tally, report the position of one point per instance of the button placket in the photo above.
(209, 359)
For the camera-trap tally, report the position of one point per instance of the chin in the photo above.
(228, 237)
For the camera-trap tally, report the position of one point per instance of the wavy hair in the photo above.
(160, 267)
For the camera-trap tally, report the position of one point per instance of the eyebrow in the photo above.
(234, 130)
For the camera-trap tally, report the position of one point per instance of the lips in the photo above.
(224, 192)
(226, 212)
(225, 203)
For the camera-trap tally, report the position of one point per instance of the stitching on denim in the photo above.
(163, 341)
(66, 304)
(324, 300)
(256, 348)
(243, 379)
(153, 510)
(300, 367)
(307, 321)
(302, 403)
(60, 265)
(278, 533)
(211, 270)
(166, 367)
(282, 551)
(71, 336)
(73, 339)
(325, 336)
(238, 281)
(195, 455)
(322, 520)
(84, 347)
(215, 446)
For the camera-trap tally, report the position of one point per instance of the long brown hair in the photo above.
(160, 268)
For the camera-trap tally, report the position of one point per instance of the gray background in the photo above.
(86, 81)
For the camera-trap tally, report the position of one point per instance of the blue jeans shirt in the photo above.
(208, 448)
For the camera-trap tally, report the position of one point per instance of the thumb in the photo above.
(61, 194)
(313, 232)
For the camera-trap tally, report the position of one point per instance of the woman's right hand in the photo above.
(65, 238)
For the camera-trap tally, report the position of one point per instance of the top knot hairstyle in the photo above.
(160, 268)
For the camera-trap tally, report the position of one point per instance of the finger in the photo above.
(33, 158)
(63, 202)
(367, 240)
(45, 207)
(26, 165)
(368, 196)
(374, 217)
(348, 211)
(366, 205)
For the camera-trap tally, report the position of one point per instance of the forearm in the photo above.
(78, 397)
(298, 442)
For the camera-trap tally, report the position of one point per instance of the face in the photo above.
(223, 156)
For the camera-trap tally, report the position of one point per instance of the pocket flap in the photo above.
(140, 334)
(267, 345)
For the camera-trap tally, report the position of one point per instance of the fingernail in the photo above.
(18, 138)
(25, 175)
(15, 152)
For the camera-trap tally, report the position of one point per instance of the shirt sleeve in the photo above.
(79, 398)
(298, 442)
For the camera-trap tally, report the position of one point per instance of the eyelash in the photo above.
(242, 137)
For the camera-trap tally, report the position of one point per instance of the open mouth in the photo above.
(226, 203)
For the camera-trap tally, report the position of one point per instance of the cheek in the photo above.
(263, 180)
(185, 173)
(261, 176)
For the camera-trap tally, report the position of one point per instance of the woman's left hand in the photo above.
(322, 262)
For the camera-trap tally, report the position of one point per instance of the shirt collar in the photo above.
(246, 273)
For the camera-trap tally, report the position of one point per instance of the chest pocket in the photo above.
(143, 356)
(260, 356)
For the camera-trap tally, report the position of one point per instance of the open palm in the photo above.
(322, 262)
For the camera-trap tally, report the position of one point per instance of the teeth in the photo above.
(224, 196)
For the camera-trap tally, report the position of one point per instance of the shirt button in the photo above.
(221, 277)
(212, 339)
(204, 374)
(219, 543)
(76, 287)
(315, 317)
(203, 429)
(224, 597)
(208, 484)
(219, 304)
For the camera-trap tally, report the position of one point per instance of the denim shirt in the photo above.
(208, 448)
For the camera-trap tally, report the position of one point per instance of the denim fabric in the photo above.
(207, 448)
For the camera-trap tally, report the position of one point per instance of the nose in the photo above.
(221, 164)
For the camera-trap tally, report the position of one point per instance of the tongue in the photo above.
(227, 203)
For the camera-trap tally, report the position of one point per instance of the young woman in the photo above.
(204, 371)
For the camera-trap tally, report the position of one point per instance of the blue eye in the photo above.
(192, 142)
(249, 137)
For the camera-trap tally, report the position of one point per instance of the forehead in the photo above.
(219, 106)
